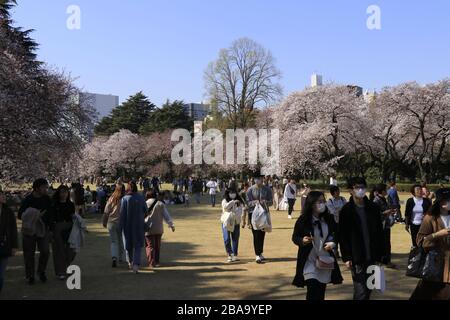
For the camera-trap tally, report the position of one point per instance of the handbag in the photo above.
(433, 268)
(325, 262)
(148, 223)
(292, 190)
(428, 266)
(416, 262)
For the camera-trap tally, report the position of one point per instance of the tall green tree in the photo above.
(131, 115)
(170, 116)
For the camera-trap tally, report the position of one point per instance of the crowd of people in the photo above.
(356, 230)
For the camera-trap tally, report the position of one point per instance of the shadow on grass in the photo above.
(182, 275)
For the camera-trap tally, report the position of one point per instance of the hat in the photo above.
(443, 194)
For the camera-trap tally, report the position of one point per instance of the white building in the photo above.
(316, 80)
(103, 103)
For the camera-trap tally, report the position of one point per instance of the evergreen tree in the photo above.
(131, 115)
(170, 116)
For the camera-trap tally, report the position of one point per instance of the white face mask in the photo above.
(447, 206)
(360, 193)
(321, 207)
(232, 196)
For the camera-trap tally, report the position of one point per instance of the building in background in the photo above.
(197, 111)
(356, 89)
(316, 80)
(103, 103)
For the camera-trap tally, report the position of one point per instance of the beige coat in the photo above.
(158, 215)
(432, 225)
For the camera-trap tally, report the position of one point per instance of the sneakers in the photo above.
(43, 277)
(259, 260)
(262, 258)
(230, 259)
(289, 217)
(235, 258)
(135, 269)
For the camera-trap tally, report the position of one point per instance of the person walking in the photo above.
(156, 215)
(212, 185)
(277, 194)
(378, 196)
(303, 194)
(111, 221)
(416, 208)
(132, 213)
(315, 234)
(394, 201)
(36, 216)
(336, 202)
(155, 184)
(77, 198)
(290, 193)
(63, 210)
(360, 236)
(258, 194)
(8, 236)
(434, 234)
(243, 195)
(333, 181)
(197, 189)
(232, 209)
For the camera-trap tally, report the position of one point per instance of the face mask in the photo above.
(321, 207)
(448, 205)
(360, 193)
(233, 196)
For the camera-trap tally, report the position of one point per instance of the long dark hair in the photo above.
(227, 195)
(310, 201)
(58, 192)
(436, 207)
(379, 188)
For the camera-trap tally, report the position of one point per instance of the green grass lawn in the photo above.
(193, 266)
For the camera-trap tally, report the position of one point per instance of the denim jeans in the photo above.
(117, 250)
(213, 199)
(231, 239)
(133, 256)
(3, 264)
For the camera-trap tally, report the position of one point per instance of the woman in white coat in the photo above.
(232, 206)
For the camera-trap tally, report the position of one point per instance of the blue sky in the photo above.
(163, 47)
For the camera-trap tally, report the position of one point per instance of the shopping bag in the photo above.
(228, 220)
(284, 205)
(261, 219)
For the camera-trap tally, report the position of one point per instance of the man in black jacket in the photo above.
(40, 200)
(360, 237)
